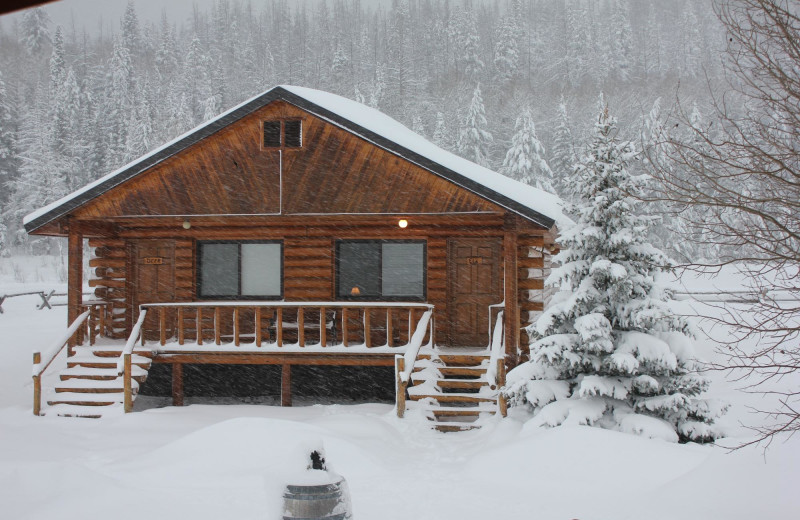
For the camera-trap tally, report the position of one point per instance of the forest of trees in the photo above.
(515, 85)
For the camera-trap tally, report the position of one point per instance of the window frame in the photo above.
(348, 297)
(281, 134)
(239, 296)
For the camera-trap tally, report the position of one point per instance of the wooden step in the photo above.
(463, 360)
(455, 398)
(460, 412)
(475, 371)
(86, 399)
(461, 384)
(92, 361)
(114, 351)
(101, 374)
(90, 386)
(455, 427)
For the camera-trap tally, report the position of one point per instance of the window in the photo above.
(380, 269)
(288, 134)
(248, 270)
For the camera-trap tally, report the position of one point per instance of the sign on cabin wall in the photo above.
(475, 260)
(153, 260)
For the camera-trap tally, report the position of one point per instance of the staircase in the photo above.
(90, 386)
(452, 389)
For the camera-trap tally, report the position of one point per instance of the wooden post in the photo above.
(501, 382)
(279, 326)
(323, 330)
(162, 325)
(74, 282)
(301, 328)
(510, 275)
(389, 331)
(199, 325)
(257, 330)
(177, 384)
(400, 396)
(344, 326)
(181, 332)
(217, 320)
(235, 327)
(102, 330)
(367, 329)
(286, 385)
(126, 381)
(37, 386)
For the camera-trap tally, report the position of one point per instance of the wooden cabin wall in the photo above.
(108, 278)
(534, 265)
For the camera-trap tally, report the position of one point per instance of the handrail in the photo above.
(404, 365)
(40, 363)
(124, 363)
(496, 351)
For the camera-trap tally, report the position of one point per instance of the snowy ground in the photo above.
(231, 461)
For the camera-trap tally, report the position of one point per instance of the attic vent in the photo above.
(272, 134)
(293, 135)
(290, 136)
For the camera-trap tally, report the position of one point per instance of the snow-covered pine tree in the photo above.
(506, 55)
(474, 139)
(525, 159)
(610, 352)
(563, 152)
(440, 132)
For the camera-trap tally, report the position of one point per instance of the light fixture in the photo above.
(403, 223)
(186, 224)
(355, 291)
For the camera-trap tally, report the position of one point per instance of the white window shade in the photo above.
(261, 269)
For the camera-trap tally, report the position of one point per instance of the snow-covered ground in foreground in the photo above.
(232, 461)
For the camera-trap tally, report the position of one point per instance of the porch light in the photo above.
(186, 224)
(403, 223)
(355, 291)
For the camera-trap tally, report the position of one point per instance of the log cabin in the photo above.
(300, 228)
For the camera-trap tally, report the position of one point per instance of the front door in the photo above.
(154, 279)
(474, 283)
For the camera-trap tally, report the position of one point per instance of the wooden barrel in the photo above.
(317, 502)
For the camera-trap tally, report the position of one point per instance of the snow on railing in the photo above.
(404, 365)
(497, 353)
(40, 363)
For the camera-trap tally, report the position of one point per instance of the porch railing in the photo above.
(279, 324)
(90, 323)
(496, 372)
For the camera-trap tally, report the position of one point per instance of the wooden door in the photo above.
(154, 279)
(474, 282)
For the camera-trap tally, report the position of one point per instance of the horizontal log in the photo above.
(529, 241)
(307, 252)
(307, 262)
(107, 262)
(183, 263)
(110, 252)
(530, 263)
(110, 293)
(184, 252)
(257, 358)
(531, 283)
(107, 242)
(303, 283)
(307, 272)
(531, 306)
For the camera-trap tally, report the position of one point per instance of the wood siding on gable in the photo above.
(231, 173)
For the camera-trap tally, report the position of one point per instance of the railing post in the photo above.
(322, 328)
(199, 325)
(126, 379)
(389, 331)
(367, 329)
(37, 386)
(400, 366)
(257, 320)
(181, 333)
(344, 326)
(279, 326)
(301, 327)
(217, 324)
(162, 325)
(236, 329)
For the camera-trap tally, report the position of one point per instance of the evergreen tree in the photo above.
(563, 152)
(34, 30)
(440, 134)
(525, 159)
(611, 353)
(506, 55)
(473, 142)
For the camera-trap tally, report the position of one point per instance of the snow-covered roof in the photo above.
(534, 204)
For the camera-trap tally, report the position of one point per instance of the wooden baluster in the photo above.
(400, 389)
(181, 332)
(236, 326)
(389, 331)
(126, 380)
(323, 331)
(162, 325)
(301, 330)
(279, 326)
(258, 326)
(217, 325)
(37, 386)
(199, 325)
(410, 324)
(501, 382)
(344, 326)
(102, 331)
(367, 328)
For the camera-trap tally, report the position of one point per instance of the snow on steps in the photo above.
(90, 385)
(452, 389)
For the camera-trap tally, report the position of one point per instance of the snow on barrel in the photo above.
(317, 493)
